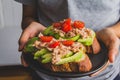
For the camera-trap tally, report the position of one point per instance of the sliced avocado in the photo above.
(56, 35)
(48, 30)
(75, 38)
(46, 60)
(40, 53)
(47, 55)
(68, 55)
(87, 41)
(29, 46)
(76, 57)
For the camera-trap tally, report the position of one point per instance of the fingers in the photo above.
(23, 39)
(25, 36)
(113, 50)
(109, 38)
(111, 55)
(32, 30)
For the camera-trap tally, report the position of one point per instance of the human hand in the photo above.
(111, 41)
(32, 30)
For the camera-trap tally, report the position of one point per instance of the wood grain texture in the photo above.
(14, 73)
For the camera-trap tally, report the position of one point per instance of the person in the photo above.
(101, 15)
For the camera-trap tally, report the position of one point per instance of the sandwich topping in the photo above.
(63, 42)
(59, 48)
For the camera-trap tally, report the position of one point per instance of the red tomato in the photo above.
(68, 21)
(68, 42)
(66, 27)
(46, 38)
(53, 45)
(78, 24)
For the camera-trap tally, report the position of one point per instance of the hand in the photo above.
(111, 41)
(32, 30)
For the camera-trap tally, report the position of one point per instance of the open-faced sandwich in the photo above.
(63, 47)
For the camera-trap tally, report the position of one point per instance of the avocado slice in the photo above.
(40, 53)
(75, 38)
(29, 46)
(46, 58)
(47, 55)
(68, 55)
(75, 58)
(48, 30)
(87, 41)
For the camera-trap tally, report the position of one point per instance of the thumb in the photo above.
(111, 55)
(23, 39)
(113, 50)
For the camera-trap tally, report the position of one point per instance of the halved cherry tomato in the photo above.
(67, 42)
(78, 24)
(68, 21)
(55, 44)
(66, 27)
(46, 38)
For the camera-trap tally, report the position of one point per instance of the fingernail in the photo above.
(112, 59)
(20, 48)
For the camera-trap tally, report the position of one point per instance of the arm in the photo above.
(29, 15)
(30, 25)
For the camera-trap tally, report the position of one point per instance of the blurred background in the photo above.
(10, 30)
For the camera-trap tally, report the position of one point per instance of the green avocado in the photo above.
(68, 55)
(74, 58)
(46, 58)
(75, 38)
(47, 55)
(40, 53)
(49, 32)
(87, 41)
(29, 46)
